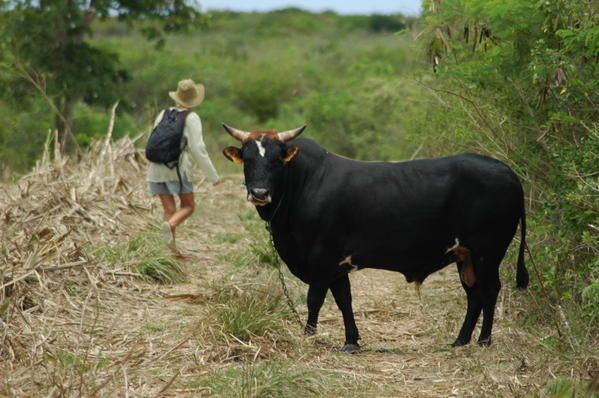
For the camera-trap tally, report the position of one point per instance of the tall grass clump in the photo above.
(250, 307)
(258, 252)
(570, 388)
(146, 255)
(264, 379)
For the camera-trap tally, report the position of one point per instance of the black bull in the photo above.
(330, 215)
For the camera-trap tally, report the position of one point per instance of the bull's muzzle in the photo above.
(259, 196)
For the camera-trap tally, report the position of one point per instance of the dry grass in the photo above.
(78, 319)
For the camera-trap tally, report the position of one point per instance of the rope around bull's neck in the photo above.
(274, 213)
(278, 260)
(278, 266)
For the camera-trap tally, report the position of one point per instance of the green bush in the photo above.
(261, 87)
(519, 80)
(386, 23)
(90, 124)
(260, 71)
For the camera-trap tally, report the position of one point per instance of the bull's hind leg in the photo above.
(341, 290)
(472, 313)
(482, 296)
(468, 278)
(490, 286)
(316, 295)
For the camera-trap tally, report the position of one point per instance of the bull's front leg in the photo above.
(316, 294)
(341, 290)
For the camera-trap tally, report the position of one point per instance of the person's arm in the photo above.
(198, 148)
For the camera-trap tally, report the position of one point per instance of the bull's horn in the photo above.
(238, 134)
(291, 134)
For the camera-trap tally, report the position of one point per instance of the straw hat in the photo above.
(188, 93)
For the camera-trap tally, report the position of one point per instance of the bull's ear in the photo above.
(233, 154)
(291, 152)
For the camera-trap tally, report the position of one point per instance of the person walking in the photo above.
(177, 134)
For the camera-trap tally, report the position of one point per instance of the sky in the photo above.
(407, 7)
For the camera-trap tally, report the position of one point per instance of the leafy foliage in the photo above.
(525, 74)
(272, 70)
(60, 62)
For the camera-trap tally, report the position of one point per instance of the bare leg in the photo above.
(187, 207)
(170, 208)
(168, 205)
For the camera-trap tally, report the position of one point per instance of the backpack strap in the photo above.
(182, 115)
(180, 179)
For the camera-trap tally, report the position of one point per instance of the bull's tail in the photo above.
(521, 272)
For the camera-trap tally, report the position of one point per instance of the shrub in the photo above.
(516, 81)
(261, 87)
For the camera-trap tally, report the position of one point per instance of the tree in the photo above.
(46, 44)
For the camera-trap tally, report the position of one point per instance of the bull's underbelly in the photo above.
(414, 263)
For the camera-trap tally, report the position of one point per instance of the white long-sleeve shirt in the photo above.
(195, 148)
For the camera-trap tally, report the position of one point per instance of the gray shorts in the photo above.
(170, 187)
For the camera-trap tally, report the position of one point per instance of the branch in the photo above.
(470, 101)
(39, 85)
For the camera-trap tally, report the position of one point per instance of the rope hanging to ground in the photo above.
(282, 277)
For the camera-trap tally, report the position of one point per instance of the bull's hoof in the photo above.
(484, 342)
(309, 330)
(459, 343)
(351, 348)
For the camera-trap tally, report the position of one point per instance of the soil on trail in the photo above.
(405, 338)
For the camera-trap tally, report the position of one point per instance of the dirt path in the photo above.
(405, 339)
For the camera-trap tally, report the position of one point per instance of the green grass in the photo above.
(264, 253)
(264, 379)
(71, 288)
(228, 237)
(570, 388)
(249, 309)
(68, 360)
(145, 254)
(154, 328)
(258, 253)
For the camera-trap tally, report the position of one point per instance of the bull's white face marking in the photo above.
(452, 248)
(261, 149)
